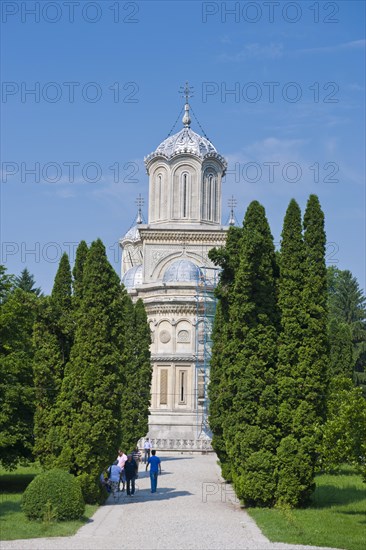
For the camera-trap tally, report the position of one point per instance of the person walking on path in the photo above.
(114, 472)
(122, 458)
(130, 473)
(155, 468)
(147, 449)
(136, 456)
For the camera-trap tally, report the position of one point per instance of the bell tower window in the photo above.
(184, 195)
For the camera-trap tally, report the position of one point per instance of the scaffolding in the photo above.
(205, 314)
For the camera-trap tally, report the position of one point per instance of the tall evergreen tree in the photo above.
(295, 469)
(313, 354)
(219, 395)
(53, 336)
(80, 259)
(26, 282)
(137, 376)
(90, 399)
(249, 427)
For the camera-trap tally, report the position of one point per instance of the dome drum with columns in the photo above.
(164, 262)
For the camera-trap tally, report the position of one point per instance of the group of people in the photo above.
(124, 470)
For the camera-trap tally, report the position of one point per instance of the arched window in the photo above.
(215, 202)
(204, 199)
(158, 198)
(209, 196)
(184, 195)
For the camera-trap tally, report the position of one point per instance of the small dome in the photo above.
(183, 271)
(132, 234)
(133, 277)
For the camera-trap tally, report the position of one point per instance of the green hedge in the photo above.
(53, 495)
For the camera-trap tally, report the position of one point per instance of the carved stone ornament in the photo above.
(183, 336)
(165, 336)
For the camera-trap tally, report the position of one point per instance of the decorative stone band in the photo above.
(173, 358)
(157, 309)
(213, 238)
(187, 445)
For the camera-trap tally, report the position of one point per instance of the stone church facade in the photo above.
(165, 262)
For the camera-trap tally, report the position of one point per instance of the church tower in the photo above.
(165, 262)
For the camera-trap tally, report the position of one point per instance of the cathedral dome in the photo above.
(133, 277)
(182, 271)
(185, 141)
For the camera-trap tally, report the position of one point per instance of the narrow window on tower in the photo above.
(215, 205)
(204, 193)
(163, 386)
(209, 197)
(182, 386)
(185, 196)
(159, 197)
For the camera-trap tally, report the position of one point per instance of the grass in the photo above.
(335, 518)
(13, 523)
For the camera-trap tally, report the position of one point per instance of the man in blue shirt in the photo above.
(155, 468)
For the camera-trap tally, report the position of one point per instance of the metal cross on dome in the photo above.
(232, 202)
(186, 91)
(140, 203)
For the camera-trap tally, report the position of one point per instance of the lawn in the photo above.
(14, 524)
(336, 517)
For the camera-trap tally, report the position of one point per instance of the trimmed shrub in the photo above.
(54, 490)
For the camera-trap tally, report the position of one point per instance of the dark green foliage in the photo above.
(54, 493)
(137, 375)
(89, 402)
(26, 282)
(341, 348)
(219, 393)
(344, 433)
(16, 381)
(249, 427)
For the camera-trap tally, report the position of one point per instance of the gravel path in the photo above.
(191, 510)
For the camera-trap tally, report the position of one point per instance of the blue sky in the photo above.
(278, 88)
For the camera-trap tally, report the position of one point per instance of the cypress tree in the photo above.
(219, 395)
(80, 259)
(90, 399)
(313, 353)
(249, 427)
(137, 376)
(53, 336)
(294, 470)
